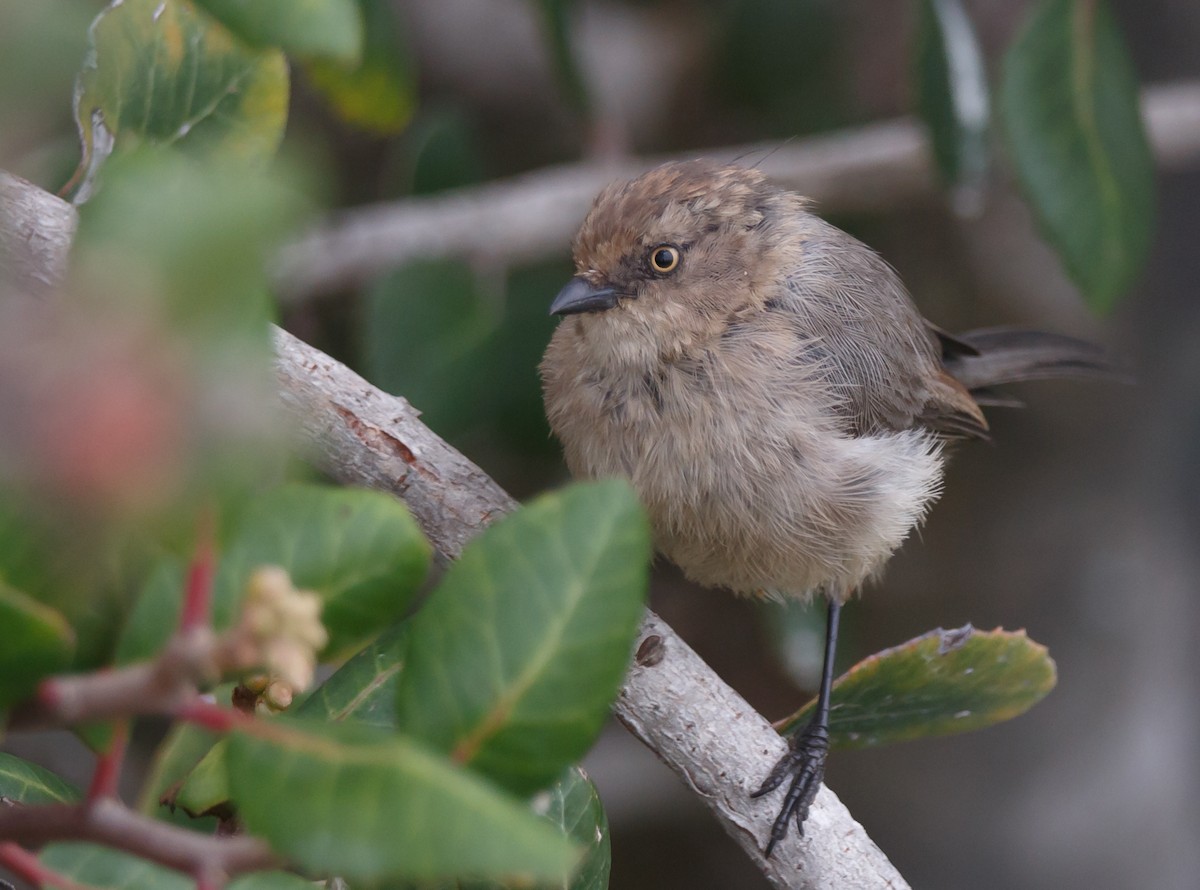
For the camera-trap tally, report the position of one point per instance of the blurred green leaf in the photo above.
(107, 869)
(445, 153)
(424, 326)
(952, 97)
(943, 682)
(360, 550)
(37, 641)
(388, 807)
(797, 633)
(364, 688)
(1069, 101)
(572, 805)
(184, 746)
(783, 59)
(514, 660)
(28, 783)
(556, 17)
(378, 91)
(159, 71)
(305, 28)
(205, 790)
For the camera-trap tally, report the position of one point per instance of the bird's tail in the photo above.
(991, 357)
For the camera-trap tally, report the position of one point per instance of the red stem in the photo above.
(197, 601)
(108, 765)
(26, 866)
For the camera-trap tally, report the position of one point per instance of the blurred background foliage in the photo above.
(1080, 523)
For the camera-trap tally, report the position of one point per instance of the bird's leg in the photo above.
(807, 748)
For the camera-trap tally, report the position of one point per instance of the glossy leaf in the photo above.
(37, 641)
(162, 72)
(108, 869)
(514, 660)
(943, 682)
(365, 804)
(306, 28)
(952, 96)
(376, 92)
(573, 804)
(360, 550)
(364, 688)
(28, 783)
(1069, 101)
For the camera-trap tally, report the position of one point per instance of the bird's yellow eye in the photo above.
(664, 258)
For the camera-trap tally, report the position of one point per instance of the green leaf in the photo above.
(364, 804)
(174, 759)
(28, 783)
(1069, 101)
(205, 791)
(942, 682)
(306, 28)
(556, 17)
(572, 805)
(360, 550)
(364, 688)
(107, 869)
(515, 659)
(37, 641)
(377, 92)
(159, 71)
(952, 97)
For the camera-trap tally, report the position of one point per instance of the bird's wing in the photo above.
(850, 311)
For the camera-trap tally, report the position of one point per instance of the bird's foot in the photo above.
(805, 764)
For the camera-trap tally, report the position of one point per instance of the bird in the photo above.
(771, 391)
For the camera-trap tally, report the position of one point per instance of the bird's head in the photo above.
(687, 245)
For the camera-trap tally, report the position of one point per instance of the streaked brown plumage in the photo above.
(767, 385)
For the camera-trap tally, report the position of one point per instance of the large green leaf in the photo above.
(159, 71)
(378, 91)
(28, 783)
(572, 805)
(1069, 101)
(952, 96)
(354, 801)
(108, 869)
(364, 688)
(943, 682)
(312, 28)
(36, 641)
(360, 550)
(515, 659)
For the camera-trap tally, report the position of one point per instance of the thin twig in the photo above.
(107, 821)
(870, 168)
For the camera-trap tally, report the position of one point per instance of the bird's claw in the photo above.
(805, 763)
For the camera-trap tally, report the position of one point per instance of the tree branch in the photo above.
(871, 168)
(671, 700)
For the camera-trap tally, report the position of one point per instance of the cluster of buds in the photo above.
(279, 632)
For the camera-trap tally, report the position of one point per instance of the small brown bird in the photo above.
(767, 385)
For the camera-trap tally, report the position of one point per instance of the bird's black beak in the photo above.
(580, 295)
